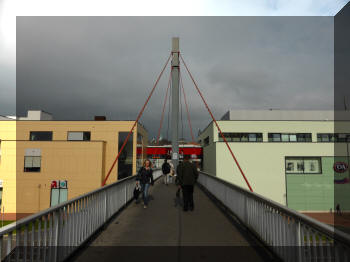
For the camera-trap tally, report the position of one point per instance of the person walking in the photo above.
(166, 169)
(187, 174)
(172, 172)
(145, 179)
(337, 208)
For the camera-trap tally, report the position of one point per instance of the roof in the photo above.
(286, 115)
(5, 118)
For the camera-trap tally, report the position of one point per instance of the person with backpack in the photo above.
(166, 169)
(145, 179)
(187, 176)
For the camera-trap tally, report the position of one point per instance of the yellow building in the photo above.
(44, 163)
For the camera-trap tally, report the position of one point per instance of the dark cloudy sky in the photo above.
(78, 67)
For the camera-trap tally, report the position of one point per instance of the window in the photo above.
(125, 159)
(285, 137)
(32, 160)
(241, 137)
(294, 138)
(140, 149)
(244, 137)
(275, 137)
(40, 136)
(235, 137)
(206, 141)
(59, 192)
(79, 136)
(252, 137)
(303, 165)
(329, 137)
(32, 163)
(1, 197)
(312, 165)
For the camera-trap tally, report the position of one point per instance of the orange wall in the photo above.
(84, 164)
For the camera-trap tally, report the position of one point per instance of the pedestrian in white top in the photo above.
(172, 172)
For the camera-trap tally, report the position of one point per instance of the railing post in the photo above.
(125, 196)
(245, 209)
(1, 252)
(298, 244)
(9, 243)
(56, 231)
(105, 211)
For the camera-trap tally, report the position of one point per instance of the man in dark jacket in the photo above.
(166, 171)
(187, 176)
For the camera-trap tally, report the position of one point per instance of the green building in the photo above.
(296, 158)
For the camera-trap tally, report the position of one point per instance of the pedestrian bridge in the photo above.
(228, 224)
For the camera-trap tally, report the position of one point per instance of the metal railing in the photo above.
(292, 236)
(55, 233)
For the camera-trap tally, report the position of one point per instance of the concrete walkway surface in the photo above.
(163, 232)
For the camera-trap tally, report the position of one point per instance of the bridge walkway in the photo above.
(164, 231)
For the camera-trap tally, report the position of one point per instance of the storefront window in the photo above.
(0, 197)
(140, 151)
(125, 158)
(312, 165)
(59, 192)
(303, 165)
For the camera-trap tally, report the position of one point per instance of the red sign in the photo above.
(59, 184)
(54, 184)
(340, 167)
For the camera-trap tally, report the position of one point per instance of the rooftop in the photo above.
(2, 118)
(286, 115)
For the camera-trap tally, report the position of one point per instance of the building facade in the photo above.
(44, 163)
(290, 161)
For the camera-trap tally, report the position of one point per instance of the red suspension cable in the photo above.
(188, 113)
(228, 146)
(137, 119)
(165, 100)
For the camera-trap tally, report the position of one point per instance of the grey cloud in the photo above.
(7, 90)
(78, 67)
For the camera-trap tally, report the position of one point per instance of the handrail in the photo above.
(306, 219)
(288, 227)
(49, 210)
(67, 225)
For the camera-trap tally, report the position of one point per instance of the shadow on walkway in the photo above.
(163, 232)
